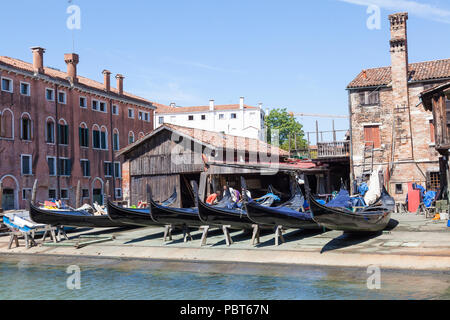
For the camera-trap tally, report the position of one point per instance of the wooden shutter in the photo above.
(372, 135)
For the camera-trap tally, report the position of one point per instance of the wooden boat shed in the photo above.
(172, 156)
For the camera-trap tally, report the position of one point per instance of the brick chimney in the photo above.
(241, 103)
(120, 78)
(38, 59)
(107, 80)
(72, 60)
(211, 105)
(399, 58)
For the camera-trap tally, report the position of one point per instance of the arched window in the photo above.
(26, 127)
(141, 135)
(84, 135)
(116, 142)
(7, 124)
(131, 137)
(104, 138)
(96, 137)
(50, 130)
(63, 132)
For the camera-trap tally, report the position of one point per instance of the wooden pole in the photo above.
(334, 133)
(78, 195)
(33, 194)
(106, 195)
(317, 132)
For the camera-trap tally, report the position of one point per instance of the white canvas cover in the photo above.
(374, 189)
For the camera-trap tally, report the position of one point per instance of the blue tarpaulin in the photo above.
(342, 200)
(363, 188)
(430, 196)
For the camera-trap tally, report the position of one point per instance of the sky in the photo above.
(293, 54)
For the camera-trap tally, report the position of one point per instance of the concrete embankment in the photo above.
(415, 244)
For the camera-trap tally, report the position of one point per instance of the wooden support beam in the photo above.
(226, 232)
(279, 235)
(186, 234)
(204, 235)
(255, 236)
(167, 233)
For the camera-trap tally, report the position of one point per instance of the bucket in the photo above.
(448, 223)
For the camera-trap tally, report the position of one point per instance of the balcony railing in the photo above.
(333, 149)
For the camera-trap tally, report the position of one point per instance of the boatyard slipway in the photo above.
(414, 243)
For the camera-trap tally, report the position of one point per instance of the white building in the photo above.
(234, 119)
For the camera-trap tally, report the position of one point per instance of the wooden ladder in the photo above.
(369, 147)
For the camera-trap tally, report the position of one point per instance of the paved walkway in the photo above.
(415, 243)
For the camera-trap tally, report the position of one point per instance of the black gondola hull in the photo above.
(211, 215)
(273, 217)
(129, 216)
(52, 217)
(177, 217)
(372, 220)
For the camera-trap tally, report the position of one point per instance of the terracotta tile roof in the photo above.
(212, 139)
(172, 110)
(62, 76)
(438, 69)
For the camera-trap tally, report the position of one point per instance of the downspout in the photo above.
(58, 182)
(112, 148)
(352, 171)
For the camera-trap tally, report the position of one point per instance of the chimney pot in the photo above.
(72, 59)
(38, 59)
(107, 79)
(173, 105)
(211, 105)
(120, 78)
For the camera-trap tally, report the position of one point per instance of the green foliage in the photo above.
(287, 125)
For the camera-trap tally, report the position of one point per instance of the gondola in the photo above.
(71, 218)
(374, 218)
(222, 214)
(289, 215)
(130, 216)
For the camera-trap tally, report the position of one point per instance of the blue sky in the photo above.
(286, 53)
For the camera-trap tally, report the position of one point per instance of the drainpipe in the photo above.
(112, 148)
(352, 171)
(58, 182)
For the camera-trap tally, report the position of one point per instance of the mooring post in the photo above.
(78, 195)
(33, 193)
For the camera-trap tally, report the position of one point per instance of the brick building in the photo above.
(61, 128)
(389, 126)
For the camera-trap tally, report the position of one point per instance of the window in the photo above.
(26, 194)
(117, 170)
(83, 102)
(221, 116)
(191, 118)
(434, 181)
(96, 137)
(118, 193)
(115, 110)
(25, 126)
(146, 117)
(130, 137)
(233, 116)
(399, 188)
(84, 136)
(65, 167)
(108, 168)
(131, 113)
(203, 117)
(369, 98)
(372, 136)
(103, 107)
(50, 94)
(64, 194)
(24, 88)
(85, 193)
(116, 145)
(104, 139)
(63, 133)
(7, 85)
(85, 168)
(432, 135)
(161, 120)
(26, 164)
(51, 161)
(62, 97)
(95, 105)
(51, 193)
(50, 131)
(7, 124)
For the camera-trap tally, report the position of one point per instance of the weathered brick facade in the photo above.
(387, 100)
(31, 102)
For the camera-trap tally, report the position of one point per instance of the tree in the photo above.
(287, 125)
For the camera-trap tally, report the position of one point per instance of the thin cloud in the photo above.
(423, 10)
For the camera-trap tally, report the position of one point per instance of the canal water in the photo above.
(46, 278)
